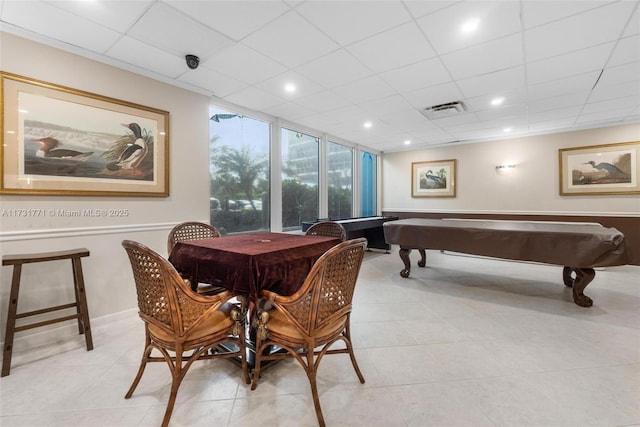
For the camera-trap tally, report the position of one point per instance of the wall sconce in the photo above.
(505, 169)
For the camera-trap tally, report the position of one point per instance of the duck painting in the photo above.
(61, 156)
(134, 152)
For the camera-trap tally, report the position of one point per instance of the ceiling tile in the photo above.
(147, 57)
(410, 121)
(350, 21)
(488, 57)
(254, 98)
(426, 73)
(217, 83)
(392, 49)
(508, 113)
(549, 115)
(578, 62)
(577, 83)
(553, 39)
(276, 85)
(235, 19)
(244, 64)
(365, 90)
(58, 24)
(621, 74)
(291, 110)
(177, 33)
(291, 41)
(627, 103)
(335, 69)
(496, 19)
(541, 12)
(434, 95)
(627, 50)
(558, 102)
(117, 15)
(483, 102)
(420, 8)
(323, 101)
(633, 26)
(601, 93)
(602, 116)
(387, 105)
(496, 83)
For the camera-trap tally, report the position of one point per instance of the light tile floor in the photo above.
(465, 341)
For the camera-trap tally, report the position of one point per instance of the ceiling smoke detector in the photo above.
(444, 110)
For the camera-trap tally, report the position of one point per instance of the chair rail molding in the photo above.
(54, 233)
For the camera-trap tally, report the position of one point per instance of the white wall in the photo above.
(532, 188)
(109, 284)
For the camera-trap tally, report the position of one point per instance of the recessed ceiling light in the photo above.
(290, 87)
(368, 124)
(497, 101)
(407, 142)
(470, 25)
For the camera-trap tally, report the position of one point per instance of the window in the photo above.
(239, 170)
(340, 180)
(368, 183)
(299, 178)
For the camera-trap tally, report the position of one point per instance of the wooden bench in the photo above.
(82, 313)
(579, 247)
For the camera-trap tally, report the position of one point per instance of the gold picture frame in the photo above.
(600, 169)
(62, 141)
(436, 178)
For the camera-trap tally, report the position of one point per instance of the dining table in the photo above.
(246, 264)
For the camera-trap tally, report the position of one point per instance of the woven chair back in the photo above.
(329, 229)
(327, 292)
(161, 290)
(191, 230)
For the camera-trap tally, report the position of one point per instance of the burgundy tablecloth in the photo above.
(249, 263)
(580, 245)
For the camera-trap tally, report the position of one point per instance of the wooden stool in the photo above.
(82, 314)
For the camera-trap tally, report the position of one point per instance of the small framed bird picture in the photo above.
(62, 141)
(600, 169)
(434, 178)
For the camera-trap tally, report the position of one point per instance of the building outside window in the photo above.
(300, 159)
(340, 181)
(239, 172)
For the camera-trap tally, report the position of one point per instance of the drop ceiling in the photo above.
(555, 65)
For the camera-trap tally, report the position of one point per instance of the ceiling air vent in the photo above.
(444, 110)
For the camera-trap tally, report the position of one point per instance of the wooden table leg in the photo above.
(583, 276)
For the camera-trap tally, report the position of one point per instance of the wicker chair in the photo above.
(190, 230)
(327, 228)
(193, 230)
(317, 315)
(177, 320)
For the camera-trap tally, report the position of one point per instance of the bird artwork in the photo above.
(49, 154)
(129, 151)
(611, 169)
(602, 173)
(432, 181)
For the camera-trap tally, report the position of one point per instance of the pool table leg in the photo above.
(583, 276)
(404, 256)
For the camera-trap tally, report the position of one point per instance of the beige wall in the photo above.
(532, 188)
(108, 277)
